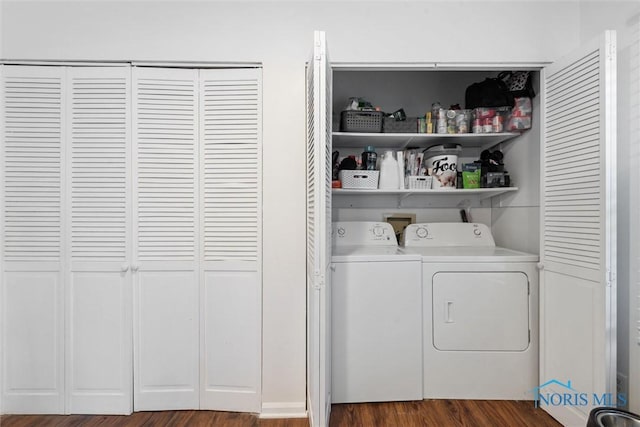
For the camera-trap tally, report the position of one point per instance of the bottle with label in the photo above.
(369, 158)
(389, 172)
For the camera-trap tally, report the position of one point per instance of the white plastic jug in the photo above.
(388, 172)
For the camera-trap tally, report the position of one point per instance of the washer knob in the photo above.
(341, 231)
(378, 231)
(422, 232)
(477, 232)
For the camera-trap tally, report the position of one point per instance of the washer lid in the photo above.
(471, 254)
(372, 254)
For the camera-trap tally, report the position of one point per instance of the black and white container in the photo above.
(441, 162)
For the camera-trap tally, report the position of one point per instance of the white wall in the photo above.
(1, 272)
(515, 217)
(279, 35)
(624, 17)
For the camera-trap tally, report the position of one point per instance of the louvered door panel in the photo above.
(98, 361)
(230, 164)
(577, 283)
(32, 165)
(166, 296)
(573, 158)
(319, 232)
(311, 180)
(32, 295)
(325, 300)
(99, 141)
(166, 154)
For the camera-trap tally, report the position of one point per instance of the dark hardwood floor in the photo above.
(453, 413)
(150, 419)
(441, 413)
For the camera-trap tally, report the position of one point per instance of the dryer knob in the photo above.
(477, 232)
(378, 231)
(422, 232)
(341, 231)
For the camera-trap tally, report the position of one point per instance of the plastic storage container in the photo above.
(361, 121)
(357, 179)
(441, 162)
(419, 182)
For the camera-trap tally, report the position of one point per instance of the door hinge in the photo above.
(611, 51)
(611, 277)
(318, 283)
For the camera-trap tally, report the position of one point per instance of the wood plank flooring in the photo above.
(441, 413)
(450, 413)
(150, 419)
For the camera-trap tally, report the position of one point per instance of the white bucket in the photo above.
(441, 162)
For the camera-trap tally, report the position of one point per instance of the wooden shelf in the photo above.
(400, 141)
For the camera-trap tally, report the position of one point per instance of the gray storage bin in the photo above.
(392, 125)
(361, 121)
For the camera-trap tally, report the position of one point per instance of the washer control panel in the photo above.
(448, 234)
(363, 233)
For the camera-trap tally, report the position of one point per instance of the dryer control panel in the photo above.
(363, 233)
(448, 234)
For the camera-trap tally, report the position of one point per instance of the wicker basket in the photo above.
(361, 121)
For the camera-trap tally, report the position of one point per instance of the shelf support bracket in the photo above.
(401, 199)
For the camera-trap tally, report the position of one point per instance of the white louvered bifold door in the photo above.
(319, 233)
(32, 291)
(166, 258)
(578, 316)
(98, 230)
(231, 238)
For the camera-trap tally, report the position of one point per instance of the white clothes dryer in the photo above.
(376, 316)
(480, 313)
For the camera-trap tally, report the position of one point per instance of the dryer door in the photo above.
(480, 311)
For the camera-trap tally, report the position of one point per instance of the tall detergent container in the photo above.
(389, 172)
(441, 162)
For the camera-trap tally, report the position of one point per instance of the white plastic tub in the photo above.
(441, 162)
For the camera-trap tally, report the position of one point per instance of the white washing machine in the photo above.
(480, 313)
(376, 316)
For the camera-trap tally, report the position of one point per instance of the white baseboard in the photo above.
(284, 410)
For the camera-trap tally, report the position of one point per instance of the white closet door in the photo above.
(98, 304)
(231, 239)
(32, 292)
(165, 267)
(319, 234)
(577, 285)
